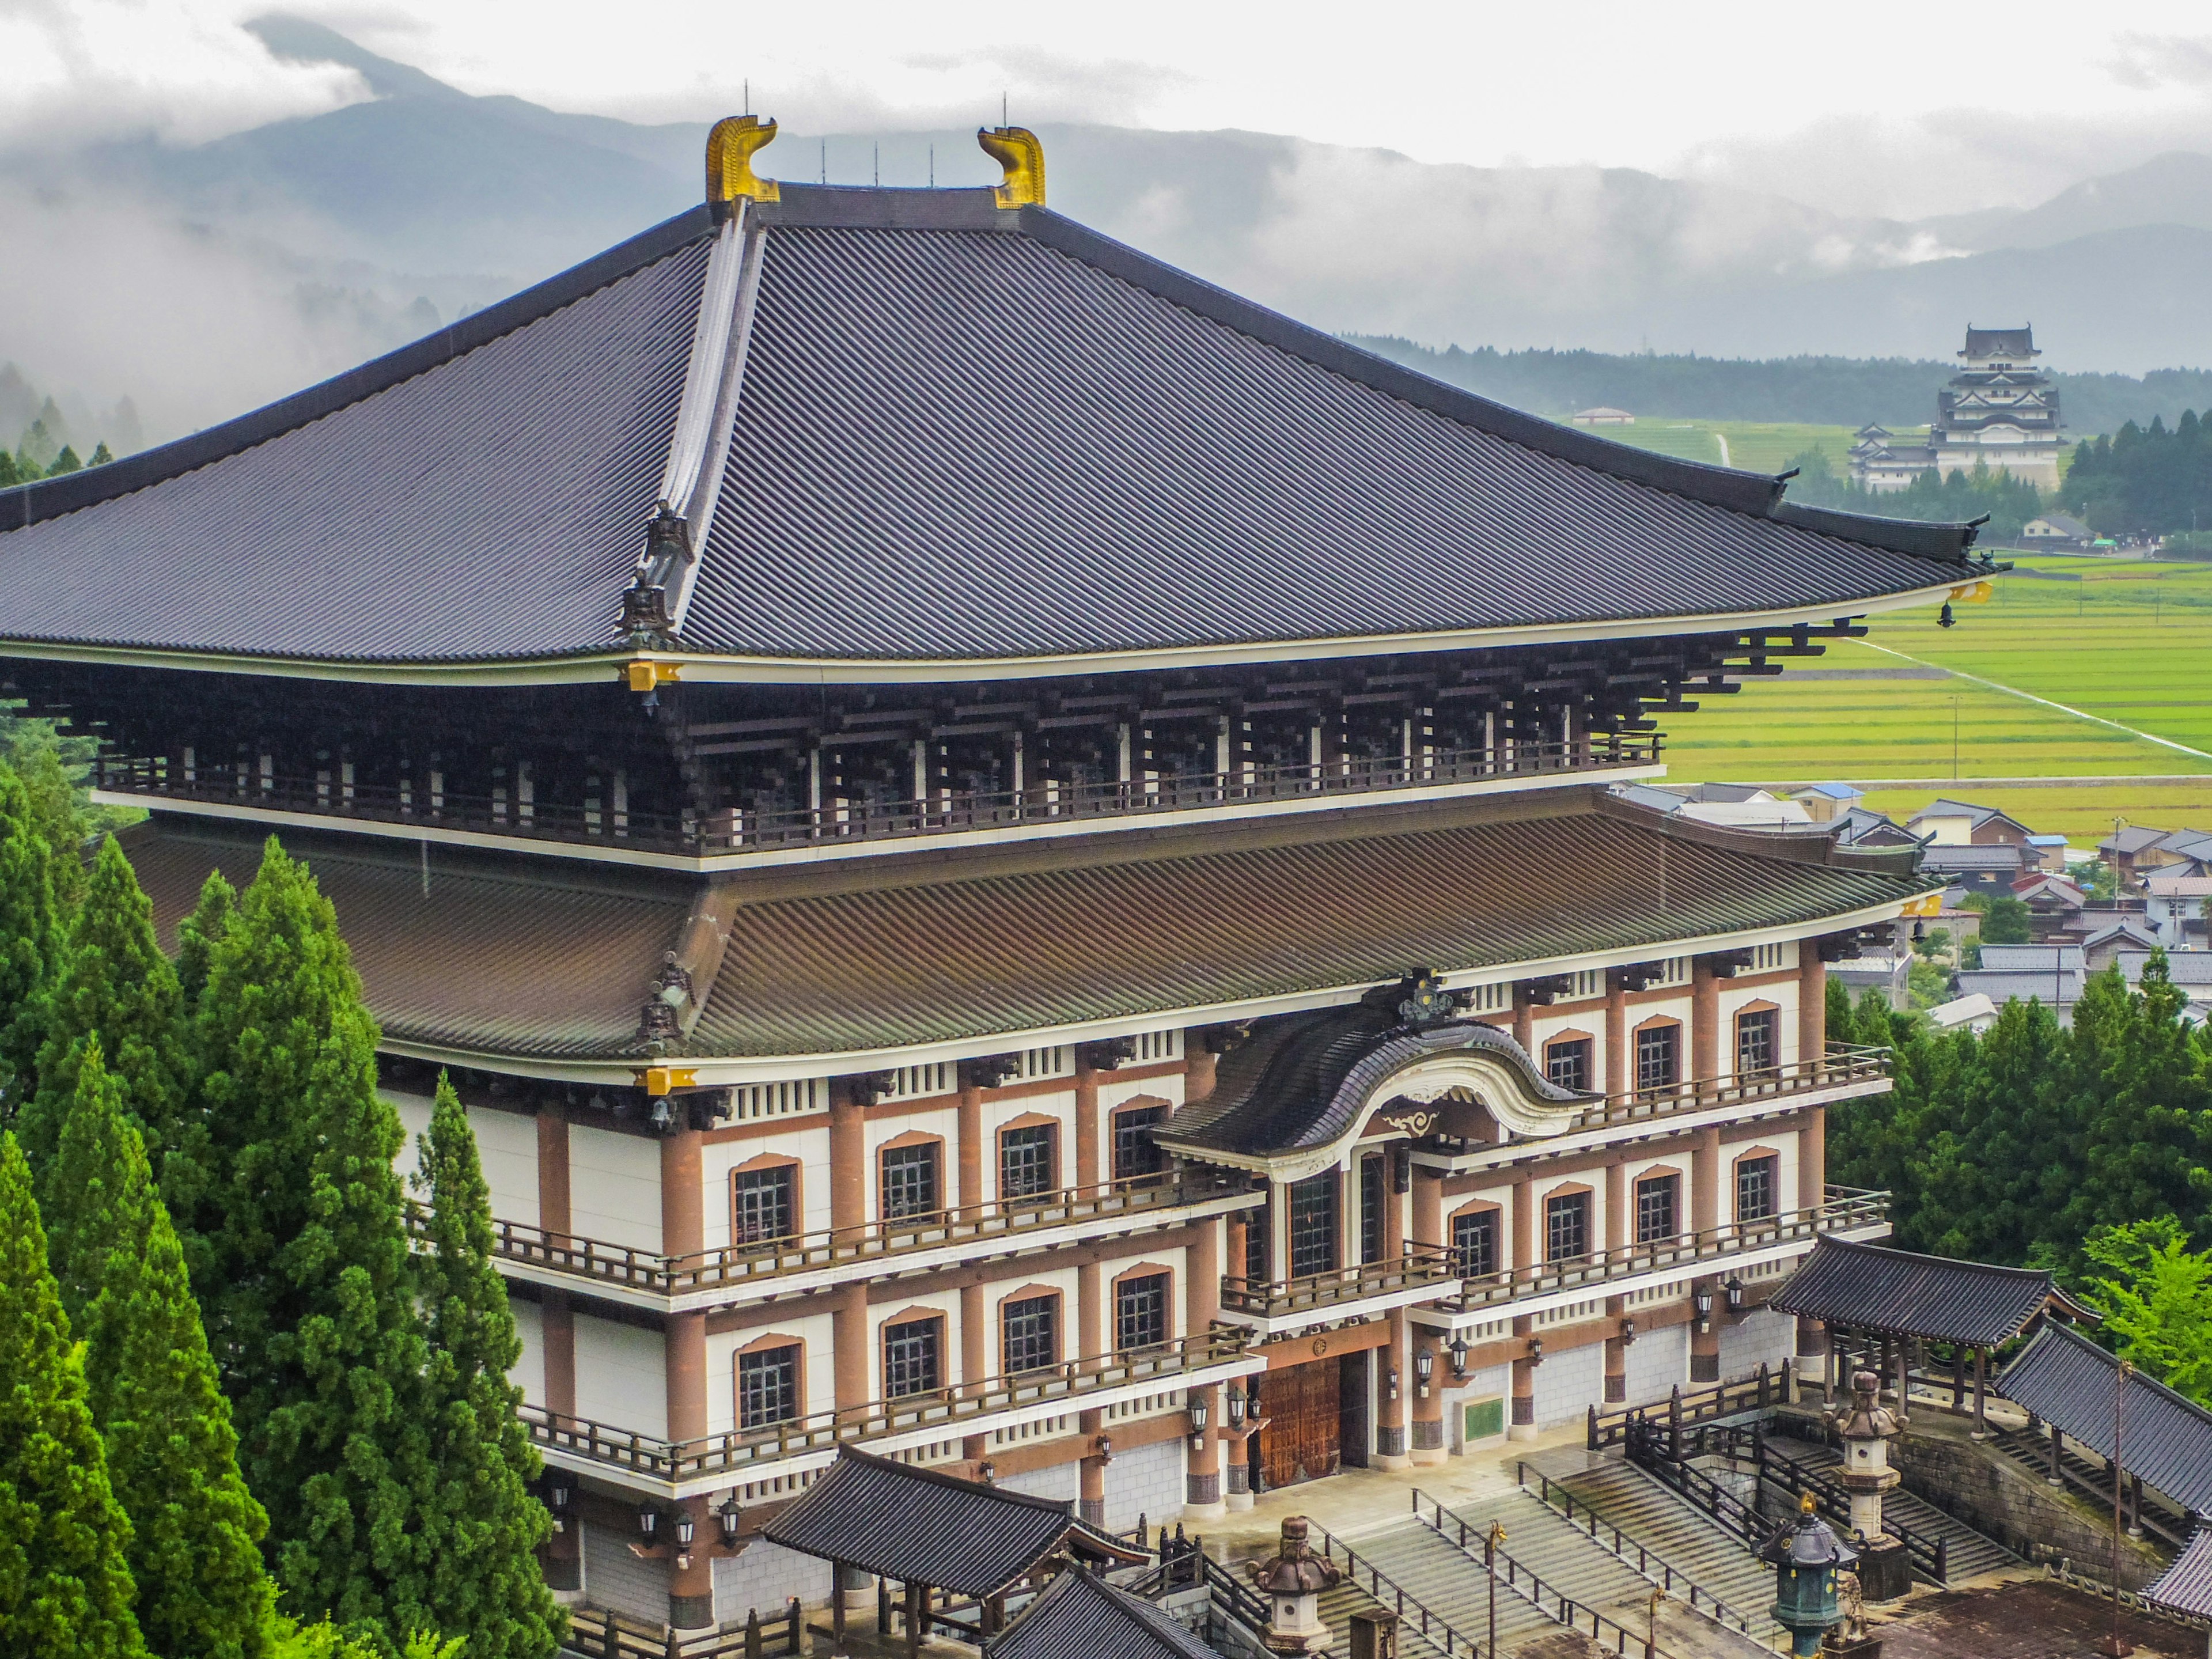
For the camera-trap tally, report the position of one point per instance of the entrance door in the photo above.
(1352, 1408)
(1303, 1408)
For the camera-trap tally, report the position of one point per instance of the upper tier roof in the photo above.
(964, 436)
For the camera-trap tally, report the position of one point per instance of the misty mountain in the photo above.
(291, 251)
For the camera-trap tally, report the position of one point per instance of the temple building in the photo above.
(2000, 411)
(1014, 857)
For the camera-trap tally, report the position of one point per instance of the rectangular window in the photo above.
(911, 1356)
(1313, 1225)
(1658, 1057)
(1475, 1241)
(766, 1209)
(1658, 1208)
(1566, 1226)
(1567, 1064)
(1025, 1162)
(1371, 1200)
(1135, 1154)
(909, 1183)
(1758, 1183)
(1029, 1332)
(1140, 1313)
(767, 1387)
(1756, 1047)
(1259, 1234)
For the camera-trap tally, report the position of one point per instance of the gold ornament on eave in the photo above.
(731, 147)
(1020, 152)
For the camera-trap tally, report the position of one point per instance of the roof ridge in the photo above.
(24, 505)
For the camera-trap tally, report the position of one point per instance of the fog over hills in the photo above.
(200, 281)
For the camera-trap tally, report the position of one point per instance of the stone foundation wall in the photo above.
(763, 1577)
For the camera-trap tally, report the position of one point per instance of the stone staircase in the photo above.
(1682, 1537)
(1969, 1553)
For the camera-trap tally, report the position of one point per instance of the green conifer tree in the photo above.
(36, 753)
(30, 937)
(65, 1588)
(481, 1525)
(198, 933)
(308, 1289)
(118, 991)
(67, 461)
(172, 1454)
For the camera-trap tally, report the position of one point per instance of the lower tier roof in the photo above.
(508, 960)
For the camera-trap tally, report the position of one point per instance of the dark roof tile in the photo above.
(2066, 1379)
(1082, 1617)
(1874, 1288)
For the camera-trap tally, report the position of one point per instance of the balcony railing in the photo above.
(1846, 1209)
(981, 1226)
(1423, 1267)
(694, 834)
(937, 1413)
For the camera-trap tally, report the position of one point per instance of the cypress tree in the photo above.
(36, 754)
(30, 937)
(172, 1453)
(116, 990)
(481, 1523)
(308, 1291)
(65, 1588)
(198, 933)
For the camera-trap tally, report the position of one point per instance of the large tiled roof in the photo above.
(1872, 1288)
(963, 433)
(2066, 1379)
(2186, 1586)
(880, 1515)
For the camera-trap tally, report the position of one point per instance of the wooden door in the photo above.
(1301, 1404)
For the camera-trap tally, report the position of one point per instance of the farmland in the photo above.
(1753, 445)
(2124, 641)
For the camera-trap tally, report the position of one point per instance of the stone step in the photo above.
(1970, 1552)
(1679, 1537)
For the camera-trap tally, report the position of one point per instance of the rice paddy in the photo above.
(2123, 641)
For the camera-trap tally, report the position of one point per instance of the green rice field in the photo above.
(2124, 641)
(1753, 445)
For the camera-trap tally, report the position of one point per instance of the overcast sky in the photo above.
(1902, 112)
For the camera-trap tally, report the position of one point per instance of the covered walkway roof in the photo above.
(2070, 1381)
(1891, 1292)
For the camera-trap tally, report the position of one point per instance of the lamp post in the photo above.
(729, 1517)
(558, 1494)
(687, 1528)
(1492, 1541)
(1199, 1414)
(2117, 1646)
(1734, 1288)
(1292, 1580)
(648, 1521)
(1458, 1358)
(1425, 1367)
(1701, 1303)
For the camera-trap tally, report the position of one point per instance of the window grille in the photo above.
(1658, 1208)
(909, 1182)
(1658, 1057)
(1757, 1042)
(767, 1387)
(765, 1204)
(1135, 1152)
(1140, 1313)
(912, 1356)
(1757, 1189)
(1372, 1197)
(1475, 1241)
(1566, 1226)
(1025, 1161)
(1567, 1063)
(1028, 1333)
(1259, 1241)
(1313, 1225)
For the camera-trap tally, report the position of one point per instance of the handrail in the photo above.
(948, 1408)
(1531, 1588)
(598, 1632)
(1756, 1393)
(1667, 1579)
(740, 831)
(1398, 1600)
(1599, 1267)
(1419, 1266)
(1228, 1594)
(774, 1257)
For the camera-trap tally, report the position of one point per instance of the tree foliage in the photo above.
(2144, 481)
(172, 1453)
(2156, 1297)
(30, 935)
(65, 1586)
(1951, 498)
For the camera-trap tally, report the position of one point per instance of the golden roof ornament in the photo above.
(731, 146)
(1020, 152)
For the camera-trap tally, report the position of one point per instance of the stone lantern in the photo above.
(1866, 1427)
(1292, 1580)
(1809, 1561)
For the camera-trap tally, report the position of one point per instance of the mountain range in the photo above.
(291, 250)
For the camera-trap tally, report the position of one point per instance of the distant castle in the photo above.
(2000, 409)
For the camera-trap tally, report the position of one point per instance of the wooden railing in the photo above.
(1630, 1552)
(1474, 1543)
(597, 1632)
(750, 1261)
(1423, 1266)
(1846, 1208)
(414, 804)
(1435, 1629)
(951, 1411)
(1680, 1410)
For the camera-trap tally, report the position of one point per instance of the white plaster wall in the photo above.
(818, 1366)
(1782, 1140)
(1656, 1362)
(1496, 1382)
(898, 1313)
(1061, 1481)
(1062, 1280)
(1146, 1480)
(1502, 1197)
(1684, 1203)
(810, 1145)
(415, 1118)
(621, 1376)
(1760, 1336)
(529, 1372)
(506, 1144)
(614, 1188)
(614, 1577)
(1541, 1191)
(1732, 998)
(1176, 1261)
(1569, 1382)
(1586, 1018)
(1059, 1105)
(943, 1122)
(763, 1579)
